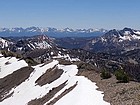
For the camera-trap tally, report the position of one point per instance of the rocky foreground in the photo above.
(116, 93)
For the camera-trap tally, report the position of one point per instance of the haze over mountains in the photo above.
(53, 32)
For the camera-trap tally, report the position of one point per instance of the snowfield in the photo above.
(9, 65)
(84, 93)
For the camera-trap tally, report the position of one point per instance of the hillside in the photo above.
(45, 84)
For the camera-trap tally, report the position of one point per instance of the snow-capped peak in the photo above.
(114, 38)
(122, 35)
(48, 30)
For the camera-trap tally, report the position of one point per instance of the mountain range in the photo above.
(123, 40)
(112, 41)
(53, 32)
(49, 71)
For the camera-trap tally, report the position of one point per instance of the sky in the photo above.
(107, 14)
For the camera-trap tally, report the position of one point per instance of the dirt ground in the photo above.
(13, 80)
(115, 93)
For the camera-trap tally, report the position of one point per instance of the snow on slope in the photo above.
(84, 93)
(125, 38)
(43, 45)
(3, 43)
(9, 65)
(137, 32)
(28, 90)
(136, 37)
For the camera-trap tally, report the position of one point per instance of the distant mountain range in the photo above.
(52, 32)
(121, 40)
(114, 40)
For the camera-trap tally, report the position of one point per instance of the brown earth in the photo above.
(51, 75)
(115, 93)
(13, 80)
(47, 97)
(62, 94)
(47, 62)
(63, 61)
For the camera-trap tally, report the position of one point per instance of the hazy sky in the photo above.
(106, 14)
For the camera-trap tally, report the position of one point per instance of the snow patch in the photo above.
(136, 37)
(137, 32)
(127, 33)
(103, 39)
(28, 90)
(84, 93)
(43, 45)
(3, 43)
(13, 65)
(125, 37)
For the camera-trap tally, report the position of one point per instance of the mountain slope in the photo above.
(4, 43)
(37, 46)
(116, 40)
(67, 85)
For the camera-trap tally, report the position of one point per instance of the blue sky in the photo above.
(75, 14)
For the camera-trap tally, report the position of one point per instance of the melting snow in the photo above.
(3, 43)
(84, 93)
(19, 48)
(66, 57)
(125, 37)
(136, 37)
(74, 59)
(137, 32)
(94, 41)
(103, 39)
(28, 90)
(126, 32)
(12, 65)
(43, 45)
